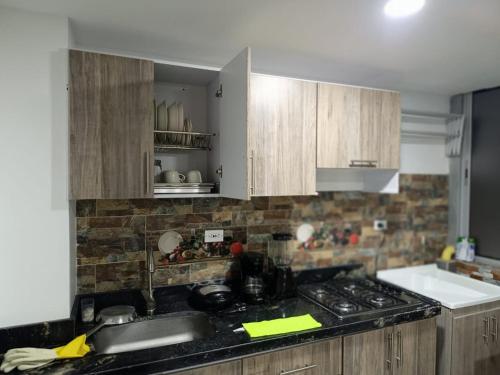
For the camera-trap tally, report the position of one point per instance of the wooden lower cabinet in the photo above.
(406, 349)
(315, 359)
(415, 348)
(475, 348)
(229, 368)
(366, 353)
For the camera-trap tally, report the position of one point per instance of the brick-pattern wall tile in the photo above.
(113, 234)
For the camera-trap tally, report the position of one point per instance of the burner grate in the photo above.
(356, 297)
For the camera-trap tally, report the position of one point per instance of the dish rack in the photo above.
(180, 140)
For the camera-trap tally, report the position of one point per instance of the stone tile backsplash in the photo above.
(113, 234)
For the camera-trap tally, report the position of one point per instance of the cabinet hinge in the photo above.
(219, 171)
(218, 93)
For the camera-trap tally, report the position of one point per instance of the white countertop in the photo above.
(452, 290)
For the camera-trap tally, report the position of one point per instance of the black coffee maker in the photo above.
(252, 269)
(281, 280)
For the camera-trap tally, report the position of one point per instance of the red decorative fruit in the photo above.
(236, 248)
(354, 239)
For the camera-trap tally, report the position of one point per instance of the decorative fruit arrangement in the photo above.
(320, 237)
(195, 248)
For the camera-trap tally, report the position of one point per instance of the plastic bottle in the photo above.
(471, 249)
(462, 248)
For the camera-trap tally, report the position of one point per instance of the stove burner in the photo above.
(319, 291)
(347, 298)
(353, 289)
(380, 301)
(344, 307)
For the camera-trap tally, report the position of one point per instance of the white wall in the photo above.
(36, 283)
(424, 157)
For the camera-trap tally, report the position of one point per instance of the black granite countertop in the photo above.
(225, 344)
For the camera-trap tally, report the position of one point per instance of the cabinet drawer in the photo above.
(230, 368)
(314, 359)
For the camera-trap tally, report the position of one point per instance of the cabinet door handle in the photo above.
(146, 185)
(399, 350)
(252, 182)
(388, 360)
(486, 328)
(494, 330)
(305, 368)
(363, 164)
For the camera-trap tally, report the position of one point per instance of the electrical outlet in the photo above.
(380, 225)
(215, 235)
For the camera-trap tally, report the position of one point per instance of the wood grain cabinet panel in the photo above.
(338, 125)
(405, 349)
(358, 126)
(415, 348)
(111, 126)
(469, 342)
(380, 127)
(230, 368)
(493, 363)
(315, 359)
(368, 353)
(282, 136)
(475, 347)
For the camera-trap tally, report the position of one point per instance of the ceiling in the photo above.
(452, 46)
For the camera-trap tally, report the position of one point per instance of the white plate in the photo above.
(180, 122)
(162, 121)
(304, 232)
(173, 117)
(169, 241)
(188, 126)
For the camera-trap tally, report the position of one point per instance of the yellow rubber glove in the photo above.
(29, 358)
(76, 348)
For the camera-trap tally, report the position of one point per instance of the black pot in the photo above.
(212, 297)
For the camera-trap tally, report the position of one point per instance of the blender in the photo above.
(280, 255)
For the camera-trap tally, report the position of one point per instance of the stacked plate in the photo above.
(171, 118)
(176, 122)
(161, 122)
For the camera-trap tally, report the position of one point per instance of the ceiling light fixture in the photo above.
(403, 8)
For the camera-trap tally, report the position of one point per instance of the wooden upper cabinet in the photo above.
(338, 125)
(111, 126)
(314, 359)
(282, 136)
(357, 127)
(380, 127)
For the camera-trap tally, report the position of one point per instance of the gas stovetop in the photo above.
(359, 297)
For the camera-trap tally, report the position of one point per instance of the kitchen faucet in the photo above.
(148, 294)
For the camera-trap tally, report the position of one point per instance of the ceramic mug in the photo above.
(194, 176)
(173, 177)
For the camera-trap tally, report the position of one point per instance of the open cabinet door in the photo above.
(235, 79)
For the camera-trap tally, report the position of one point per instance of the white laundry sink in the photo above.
(452, 290)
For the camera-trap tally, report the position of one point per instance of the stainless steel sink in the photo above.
(164, 330)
